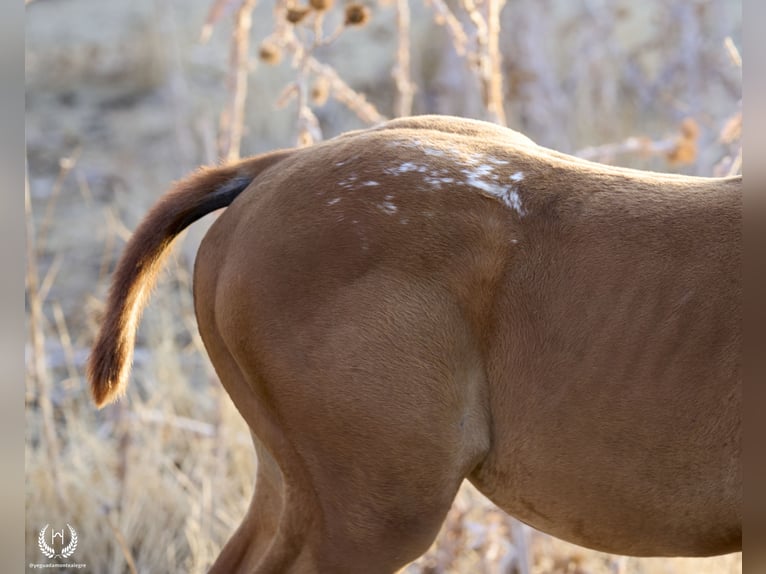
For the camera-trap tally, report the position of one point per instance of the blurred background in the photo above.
(125, 97)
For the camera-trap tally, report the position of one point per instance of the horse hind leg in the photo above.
(272, 537)
(252, 538)
(385, 426)
(364, 445)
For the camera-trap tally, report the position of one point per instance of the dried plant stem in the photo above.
(479, 23)
(340, 90)
(494, 80)
(731, 49)
(232, 118)
(37, 335)
(188, 318)
(445, 17)
(402, 76)
(607, 152)
(109, 245)
(736, 59)
(620, 564)
(174, 421)
(121, 542)
(120, 417)
(305, 64)
(352, 99)
(308, 124)
(282, 29)
(520, 535)
(736, 164)
(66, 165)
(45, 285)
(487, 60)
(213, 15)
(66, 340)
(221, 437)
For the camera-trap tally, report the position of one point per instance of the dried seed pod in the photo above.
(296, 14)
(685, 150)
(732, 130)
(690, 129)
(357, 15)
(320, 91)
(270, 53)
(321, 5)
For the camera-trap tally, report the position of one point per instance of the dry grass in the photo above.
(158, 482)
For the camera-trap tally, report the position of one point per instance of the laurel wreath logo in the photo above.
(44, 548)
(66, 552)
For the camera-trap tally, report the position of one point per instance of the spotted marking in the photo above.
(478, 171)
(387, 207)
(405, 167)
(483, 178)
(349, 181)
(514, 201)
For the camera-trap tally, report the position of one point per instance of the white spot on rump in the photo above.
(515, 202)
(387, 207)
(436, 181)
(349, 181)
(370, 183)
(476, 177)
(405, 167)
(480, 171)
(419, 145)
